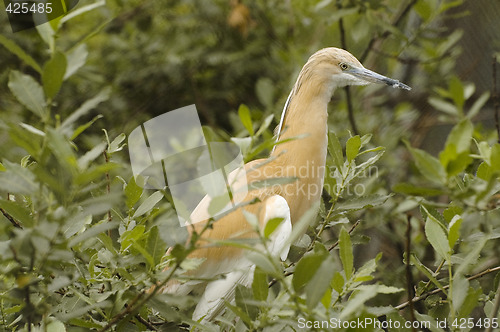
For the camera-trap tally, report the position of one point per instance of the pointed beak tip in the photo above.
(400, 85)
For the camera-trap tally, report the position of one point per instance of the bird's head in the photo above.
(338, 68)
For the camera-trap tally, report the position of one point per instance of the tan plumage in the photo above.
(304, 116)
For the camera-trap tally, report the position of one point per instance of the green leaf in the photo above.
(460, 288)
(470, 302)
(243, 299)
(320, 282)
(478, 104)
(76, 59)
(55, 326)
(457, 92)
(362, 202)
(437, 237)
(32, 129)
(472, 256)
(96, 171)
(245, 118)
(155, 245)
(53, 74)
(86, 107)
(265, 263)
(335, 150)
(443, 106)
(84, 127)
(47, 33)
(352, 148)
(338, 282)
(93, 232)
(264, 88)
(28, 92)
(364, 273)
(454, 230)
(484, 171)
(216, 205)
(271, 226)
(240, 313)
(90, 156)
(260, 286)
(82, 10)
(429, 166)
(133, 193)
(19, 212)
(306, 268)
(410, 189)
(428, 273)
(451, 211)
(495, 157)
(62, 149)
(17, 179)
(2, 168)
(458, 165)
(134, 235)
(148, 204)
(115, 145)
(98, 205)
(20, 53)
(265, 124)
(423, 9)
(345, 252)
(461, 136)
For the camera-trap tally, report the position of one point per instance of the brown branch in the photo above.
(409, 279)
(496, 100)
(438, 290)
(397, 19)
(13, 221)
(145, 323)
(356, 224)
(108, 185)
(350, 110)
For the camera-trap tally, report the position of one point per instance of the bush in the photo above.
(82, 243)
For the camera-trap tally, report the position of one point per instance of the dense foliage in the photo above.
(407, 212)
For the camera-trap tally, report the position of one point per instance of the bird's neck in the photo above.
(305, 125)
(304, 156)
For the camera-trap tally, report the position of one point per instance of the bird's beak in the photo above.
(372, 77)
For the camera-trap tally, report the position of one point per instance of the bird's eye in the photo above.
(344, 66)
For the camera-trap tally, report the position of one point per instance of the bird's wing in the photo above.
(217, 292)
(212, 302)
(277, 207)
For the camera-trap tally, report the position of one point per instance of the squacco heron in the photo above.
(304, 116)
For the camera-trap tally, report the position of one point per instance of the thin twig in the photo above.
(350, 110)
(145, 323)
(333, 246)
(146, 295)
(108, 185)
(438, 290)
(395, 22)
(409, 279)
(13, 221)
(494, 96)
